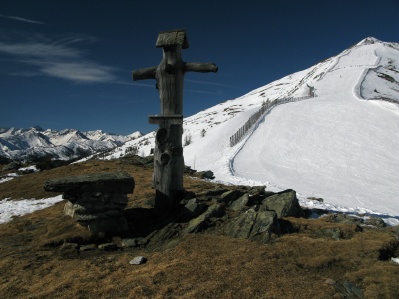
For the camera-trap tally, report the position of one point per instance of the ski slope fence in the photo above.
(237, 136)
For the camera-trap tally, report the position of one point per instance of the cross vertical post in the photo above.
(168, 153)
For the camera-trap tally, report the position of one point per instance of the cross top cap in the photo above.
(172, 37)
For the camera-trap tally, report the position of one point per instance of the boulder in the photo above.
(205, 174)
(285, 204)
(192, 209)
(205, 219)
(240, 203)
(231, 195)
(349, 219)
(111, 182)
(374, 221)
(252, 225)
(210, 193)
(96, 201)
(252, 190)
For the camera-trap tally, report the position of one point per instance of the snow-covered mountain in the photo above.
(33, 143)
(341, 145)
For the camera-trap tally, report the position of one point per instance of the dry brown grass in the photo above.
(296, 265)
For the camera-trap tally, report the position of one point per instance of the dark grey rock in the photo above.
(328, 233)
(142, 241)
(211, 193)
(374, 221)
(204, 220)
(284, 203)
(240, 203)
(138, 260)
(349, 290)
(231, 195)
(205, 174)
(252, 225)
(316, 199)
(192, 209)
(129, 243)
(164, 235)
(349, 219)
(256, 190)
(115, 182)
(108, 247)
(89, 247)
(241, 227)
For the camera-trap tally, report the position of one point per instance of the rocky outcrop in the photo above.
(96, 201)
(285, 204)
(253, 225)
(244, 212)
(348, 219)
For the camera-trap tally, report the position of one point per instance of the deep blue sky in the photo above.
(67, 64)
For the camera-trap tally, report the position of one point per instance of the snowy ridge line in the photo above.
(237, 136)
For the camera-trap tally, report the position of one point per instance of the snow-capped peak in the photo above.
(369, 41)
(341, 145)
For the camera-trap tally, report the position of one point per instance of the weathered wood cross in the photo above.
(168, 154)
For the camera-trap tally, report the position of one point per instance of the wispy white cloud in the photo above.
(59, 59)
(38, 49)
(21, 19)
(83, 72)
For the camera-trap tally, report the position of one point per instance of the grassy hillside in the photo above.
(304, 264)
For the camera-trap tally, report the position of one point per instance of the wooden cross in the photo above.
(168, 154)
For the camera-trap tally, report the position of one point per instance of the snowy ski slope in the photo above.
(341, 146)
(337, 146)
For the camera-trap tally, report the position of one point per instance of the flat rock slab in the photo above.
(138, 260)
(112, 182)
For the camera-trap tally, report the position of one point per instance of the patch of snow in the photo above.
(32, 168)
(10, 208)
(8, 177)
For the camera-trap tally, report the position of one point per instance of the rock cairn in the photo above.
(96, 201)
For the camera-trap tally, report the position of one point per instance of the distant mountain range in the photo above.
(35, 143)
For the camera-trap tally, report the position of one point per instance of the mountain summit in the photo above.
(341, 145)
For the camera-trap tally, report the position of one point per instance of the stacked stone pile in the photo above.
(96, 201)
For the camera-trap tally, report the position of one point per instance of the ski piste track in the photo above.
(359, 72)
(266, 107)
(245, 135)
(356, 92)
